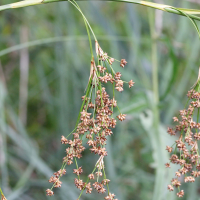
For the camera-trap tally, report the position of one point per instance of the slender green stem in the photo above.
(104, 174)
(77, 7)
(86, 95)
(90, 41)
(192, 20)
(155, 109)
(62, 168)
(87, 28)
(177, 11)
(162, 7)
(1, 191)
(87, 181)
(76, 166)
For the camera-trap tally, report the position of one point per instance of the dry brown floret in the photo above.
(95, 123)
(188, 152)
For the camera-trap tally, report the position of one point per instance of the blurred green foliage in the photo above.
(59, 64)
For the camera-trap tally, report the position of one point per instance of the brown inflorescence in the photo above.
(186, 151)
(96, 122)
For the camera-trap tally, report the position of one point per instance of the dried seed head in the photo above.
(78, 171)
(99, 173)
(170, 188)
(118, 75)
(189, 179)
(175, 119)
(111, 60)
(123, 63)
(131, 83)
(110, 197)
(101, 68)
(180, 194)
(49, 192)
(64, 140)
(119, 83)
(88, 188)
(169, 149)
(167, 165)
(171, 131)
(121, 117)
(91, 176)
(119, 89)
(105, 181)
(178, 174)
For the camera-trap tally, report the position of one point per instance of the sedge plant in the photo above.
(96, 121)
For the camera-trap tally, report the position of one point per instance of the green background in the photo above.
(58, 62)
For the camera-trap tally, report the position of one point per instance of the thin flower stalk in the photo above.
(95, 122)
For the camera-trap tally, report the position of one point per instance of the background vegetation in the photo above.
(41, 88)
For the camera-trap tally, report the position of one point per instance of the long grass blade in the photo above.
(190, 11)
(162, 7)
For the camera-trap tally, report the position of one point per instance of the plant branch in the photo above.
(191, 12)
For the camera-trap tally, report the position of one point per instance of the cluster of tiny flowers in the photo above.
(96, 123)
(188, 132)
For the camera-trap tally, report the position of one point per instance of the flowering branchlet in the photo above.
(96, 122)
(186, 150)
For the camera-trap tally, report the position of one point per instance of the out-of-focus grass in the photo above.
(58, 75)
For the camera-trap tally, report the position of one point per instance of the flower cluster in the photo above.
(186, 152)
(96, 122)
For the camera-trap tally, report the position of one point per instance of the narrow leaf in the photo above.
(190, 11)
(154, 5)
